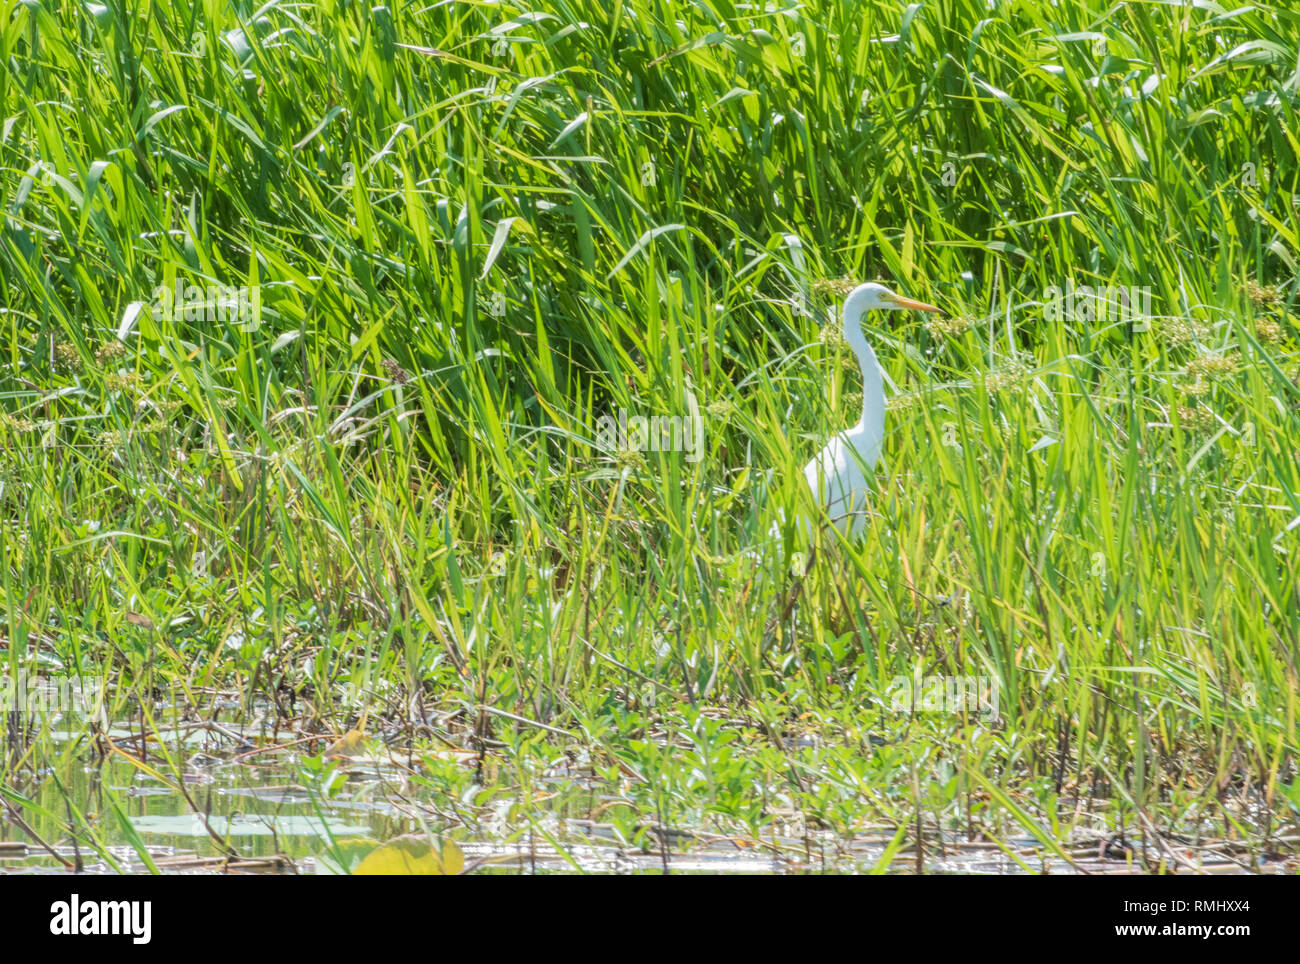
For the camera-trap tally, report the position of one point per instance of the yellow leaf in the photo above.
(412, 855)
(453, 861)
(350, 743)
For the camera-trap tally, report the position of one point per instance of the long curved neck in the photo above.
(873, 389)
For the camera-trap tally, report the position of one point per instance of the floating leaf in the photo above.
(412, 855)
(351, 743)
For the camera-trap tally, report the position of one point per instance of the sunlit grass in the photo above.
(479, 228)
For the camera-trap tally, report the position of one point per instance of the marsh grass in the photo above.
(479, 227)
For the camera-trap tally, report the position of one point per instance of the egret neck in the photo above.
(870, 430)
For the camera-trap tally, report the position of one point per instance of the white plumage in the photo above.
(837, 475)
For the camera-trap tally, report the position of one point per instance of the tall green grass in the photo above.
(477, 228)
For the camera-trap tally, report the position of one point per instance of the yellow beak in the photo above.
(914, 305)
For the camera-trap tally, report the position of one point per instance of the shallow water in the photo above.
(254, 802)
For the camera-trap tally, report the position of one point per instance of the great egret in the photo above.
(837, 475)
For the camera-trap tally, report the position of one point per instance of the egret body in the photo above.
(838, 473)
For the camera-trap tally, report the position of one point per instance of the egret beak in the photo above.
(909, 303)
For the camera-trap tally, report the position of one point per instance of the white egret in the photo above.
(838, 473)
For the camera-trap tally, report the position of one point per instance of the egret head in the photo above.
(875, 297)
